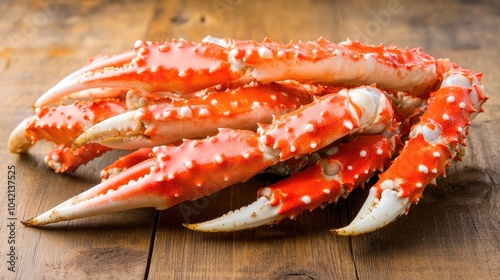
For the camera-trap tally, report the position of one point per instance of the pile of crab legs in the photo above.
(204, 116)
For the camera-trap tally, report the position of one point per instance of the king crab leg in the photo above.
(435, 141)
(183, 67)
(318, 185)
(166, 123)
(229, 157)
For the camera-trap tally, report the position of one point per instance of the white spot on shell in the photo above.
(189, 164)
(446, 117)
(234, 52)
(265, 53)
(186, 112)
(349, 167)
(419, 185)
(436, 154)
(218, 159)
(380, 151)
(309, 127)
(362, 153)
(306, 199)
(422, 168)
(314, 145)
(204, 112)
(348, 124)
(327, 191)
(450, 99)
(461, 105)
(138, 44)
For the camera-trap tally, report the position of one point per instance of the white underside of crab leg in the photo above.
(259, 213)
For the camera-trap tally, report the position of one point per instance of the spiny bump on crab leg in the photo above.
(316, 186)
(194, 169)
(177, 66)
(436, 141)
(161, 124)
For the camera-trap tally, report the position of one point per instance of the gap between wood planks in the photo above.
(152, 244)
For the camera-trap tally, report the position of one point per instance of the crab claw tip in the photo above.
(260, 212)
(120, 132)
(376, 212)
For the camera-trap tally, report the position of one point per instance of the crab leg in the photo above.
(161, 124)
(198, 168)
(436, 141)
(62, 125)
(179, 66)
(177, 173)
(184, 67)
(331, 178)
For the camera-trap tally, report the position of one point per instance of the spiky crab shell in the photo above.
(358, 84)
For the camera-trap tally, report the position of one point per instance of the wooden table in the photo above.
(453, 233)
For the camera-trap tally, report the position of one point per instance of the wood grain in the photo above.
(451, 234)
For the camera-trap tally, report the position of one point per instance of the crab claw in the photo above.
(62, 125)
(161, 124)
(436, 141)
(174, 174)
(316, 186)
(178, 66)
